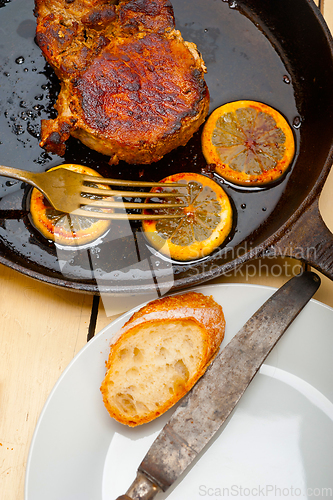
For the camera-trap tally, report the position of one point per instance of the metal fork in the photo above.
(70, 192)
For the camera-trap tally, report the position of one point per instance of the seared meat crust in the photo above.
(131, 88)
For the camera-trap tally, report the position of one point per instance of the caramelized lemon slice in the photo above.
(249, 142)
(200, 227)
(66, 229)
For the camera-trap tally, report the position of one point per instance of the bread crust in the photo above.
(186, 309)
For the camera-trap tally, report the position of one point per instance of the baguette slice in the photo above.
(159, 354)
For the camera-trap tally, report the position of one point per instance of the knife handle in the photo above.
(141, 489)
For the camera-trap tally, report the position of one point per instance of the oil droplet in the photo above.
(19, 60)
(286, 79)
(18, 129)
(208, 169)
(33, 130)
(31, 114)
(243, 206)
(233, 4)
(6, 73)
(297, 122)
(264, 209)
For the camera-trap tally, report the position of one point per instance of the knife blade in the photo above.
(207, 406)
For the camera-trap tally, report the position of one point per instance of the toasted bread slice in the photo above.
(159, 354)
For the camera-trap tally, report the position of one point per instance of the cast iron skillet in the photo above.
(279, 53)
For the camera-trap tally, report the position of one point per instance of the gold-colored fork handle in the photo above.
(18, 174)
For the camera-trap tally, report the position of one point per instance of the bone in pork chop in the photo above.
(131, 87)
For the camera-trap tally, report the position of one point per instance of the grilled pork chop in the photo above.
(131, 87)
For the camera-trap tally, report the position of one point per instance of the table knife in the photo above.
(207, 406)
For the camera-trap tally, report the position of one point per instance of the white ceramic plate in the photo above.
(277, 443)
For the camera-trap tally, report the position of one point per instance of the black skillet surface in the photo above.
(275, 53)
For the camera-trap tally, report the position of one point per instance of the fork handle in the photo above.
(21, 175)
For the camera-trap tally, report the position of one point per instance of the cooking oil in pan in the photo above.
(241, 64)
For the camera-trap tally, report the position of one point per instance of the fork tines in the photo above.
(121, 182)
(108, 201)
(119, 204)
(122, 215)
(129, 194)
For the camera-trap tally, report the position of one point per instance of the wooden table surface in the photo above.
(43, 328)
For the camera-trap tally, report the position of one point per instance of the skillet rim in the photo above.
(255, 252)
